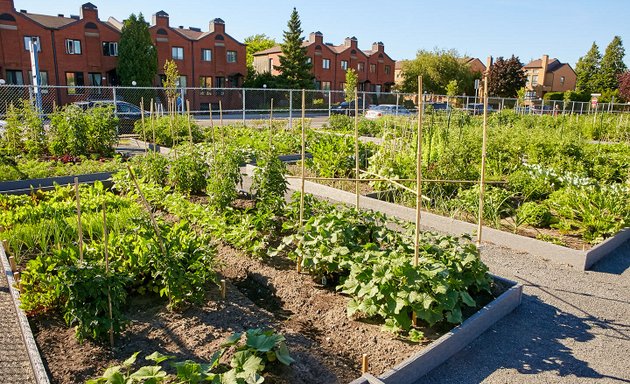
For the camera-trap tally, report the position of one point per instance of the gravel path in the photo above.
(572, 326)
(15, 366)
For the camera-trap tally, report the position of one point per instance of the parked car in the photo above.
(345, 108)
(437, 106)
(377, 111)
(477, 108)
(127, 113)
(541, 110)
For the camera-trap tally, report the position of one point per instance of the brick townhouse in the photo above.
(82, 50)
(330, 62)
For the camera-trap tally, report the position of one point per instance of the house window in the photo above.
(561, 80)
(231, 56)
(372, 68)
(35, 39)
(534, 80)
(344, 65)
(177, 53)
(96, 79)
(14, 77)
(43, 77)
(220, 82)
(361, 67)
(318, 84)
(388, 69)
(325, 86)
(326, 63)
(74, 79)
(73, 47)
(110, 48)
(205, 81)
(206, 55)
(181, 82)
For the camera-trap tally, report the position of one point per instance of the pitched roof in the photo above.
(538, 63)
(189, 33)
(50, 21)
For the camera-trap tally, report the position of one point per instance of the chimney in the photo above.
(316, 37)
(378, 47)
(350, 42)
(217, 25)
(544, 63)
(60, 15)
(89, 11)
(160, 18)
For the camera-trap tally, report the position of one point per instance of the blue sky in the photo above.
(527, 28)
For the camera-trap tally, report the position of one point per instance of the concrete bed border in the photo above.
(436, 353)
(17, 187)
(39, 372)
(581, 260)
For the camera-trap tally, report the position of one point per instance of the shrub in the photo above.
(535, 214)
(188, 171)
(167, 128)
(554, 96)
(152, 167)
(24, 131)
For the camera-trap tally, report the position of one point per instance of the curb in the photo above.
(41, 377)
(418, 365)
(18, 187)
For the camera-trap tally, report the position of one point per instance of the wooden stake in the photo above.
(223, 289)
(484, 133)
(414, 319)
(79, 227)
(418, 173)
(12, 264)
(109, 295)
(303, 170)
(364, 363)
(16, 277)
(189, 127)
(356, 146)
(5, 245)
(144, 134)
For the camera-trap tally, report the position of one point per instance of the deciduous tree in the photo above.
(352, 79)
(137, 56)
(437, 68)
(295, 68)
(506, 77)
(624, 85)
(256, 43)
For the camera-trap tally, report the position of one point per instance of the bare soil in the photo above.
(326, 345)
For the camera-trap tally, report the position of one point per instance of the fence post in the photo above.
(115, 101)
(329, 102)
(290, 109)
(363, 108)
(243, 106)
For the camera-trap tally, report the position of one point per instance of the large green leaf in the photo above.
(158, 357)
(282, 353)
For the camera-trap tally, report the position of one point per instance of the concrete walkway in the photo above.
(15, 366)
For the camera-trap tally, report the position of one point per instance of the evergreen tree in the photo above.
(137, 56)
(296, 70)
(587, 70)
(506, 77)
(612, 65)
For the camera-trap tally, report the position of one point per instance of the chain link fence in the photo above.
(246, 103)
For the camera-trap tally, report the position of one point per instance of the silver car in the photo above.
(378, 111)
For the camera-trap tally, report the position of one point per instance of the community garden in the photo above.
(179, 274)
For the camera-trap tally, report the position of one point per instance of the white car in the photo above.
(378, 111)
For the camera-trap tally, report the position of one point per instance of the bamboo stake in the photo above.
(418, 173)
(483, 150)
(148, 208)
(189, 127)
(223, 289)
(356, 146)
(17, 278)
(109, 295)
(271, 125)
(144, 134)
(79, 226)
(364, 363)
(303, 169)
(12, 264)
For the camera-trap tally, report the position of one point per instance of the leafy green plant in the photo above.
(167, 128)
(269, 181)
(24, 131)
(534, 214)
(224, 175)
(188, 171)
(152, 166)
